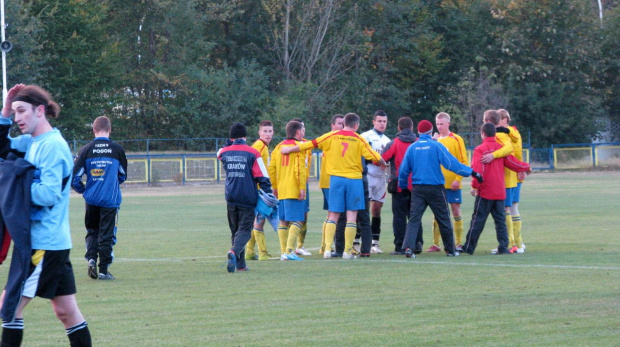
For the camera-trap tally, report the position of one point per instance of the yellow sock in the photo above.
(293, 233)
(283, 237)
(249, 247)
(330, 232)
(458, 229)
(436, 234)
(259, 235)
(516, 225)
(349, 236)
(322, 250)
(509, 227)
(302, 235)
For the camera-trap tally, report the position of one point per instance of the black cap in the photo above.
(237, 131)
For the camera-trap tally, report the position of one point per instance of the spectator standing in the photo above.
(47, 271)
(491, 193)
(401, 202)
(104, 164)
(423, 160)
(244, 170)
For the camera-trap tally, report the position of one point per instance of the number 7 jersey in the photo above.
(343, 152)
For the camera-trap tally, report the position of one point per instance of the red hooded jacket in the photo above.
(494, 186)
(394, 153)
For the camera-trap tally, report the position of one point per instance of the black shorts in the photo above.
(52, 277)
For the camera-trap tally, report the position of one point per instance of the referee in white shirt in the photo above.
(377, 175)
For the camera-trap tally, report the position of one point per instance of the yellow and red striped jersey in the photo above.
(456, 146)
(517, 143)
(263, 149)
(288, 172)
(344, 151)
(308, 157)
(509, 176)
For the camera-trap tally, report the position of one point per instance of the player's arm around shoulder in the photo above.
(506, 149)
(301, 172)
(515, 135)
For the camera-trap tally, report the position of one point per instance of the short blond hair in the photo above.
(443, 115)
(503, 114)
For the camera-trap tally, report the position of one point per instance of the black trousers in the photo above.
(100, 234)
(240, 221)
(482, 208)
(401, 205)
(432, 196)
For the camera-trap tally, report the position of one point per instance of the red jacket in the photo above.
(394, 153)
(494, 186)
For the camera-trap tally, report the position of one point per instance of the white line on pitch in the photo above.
(219, 258)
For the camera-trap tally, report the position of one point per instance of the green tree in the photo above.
(75, 60)
(401, 63)
(466, 86)
(22, 29)
(546, 60)
(314, 45)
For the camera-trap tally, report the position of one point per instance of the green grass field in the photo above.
(172, 288)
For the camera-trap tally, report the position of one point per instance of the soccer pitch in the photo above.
(172, 288)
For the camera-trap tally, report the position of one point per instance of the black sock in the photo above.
(375, 227)
(79, 335)
(12, 333)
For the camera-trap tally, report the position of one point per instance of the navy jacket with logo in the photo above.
(16, 176)
(244, 170)
(105, 165)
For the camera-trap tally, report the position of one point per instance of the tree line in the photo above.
(190, 68)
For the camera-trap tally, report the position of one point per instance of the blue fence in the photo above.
(184, 161)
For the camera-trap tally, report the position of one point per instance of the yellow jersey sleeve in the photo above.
(289, 170)
(506, 150)
(344, 151)
(263, 149)
(456, 146)
(510, 177)
(275, 155)
(517, 142)
(324, 179)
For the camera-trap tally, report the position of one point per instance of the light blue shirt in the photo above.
(50, 154)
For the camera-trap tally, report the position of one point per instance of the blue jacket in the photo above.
(105, 165)
(424, 159)
(17, 177)
(244, 169)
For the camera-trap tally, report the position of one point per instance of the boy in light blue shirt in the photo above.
(51, 274)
